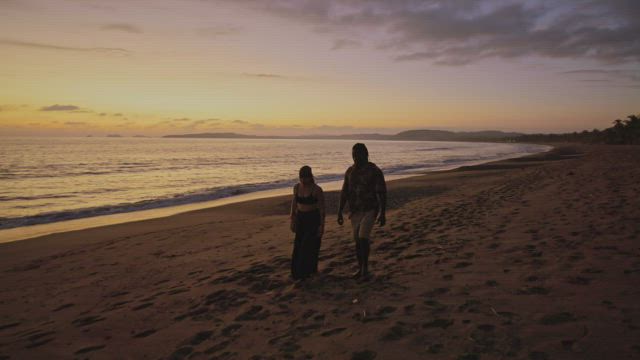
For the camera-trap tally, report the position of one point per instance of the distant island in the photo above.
(420, 135)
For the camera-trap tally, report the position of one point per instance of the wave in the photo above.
(38, 197)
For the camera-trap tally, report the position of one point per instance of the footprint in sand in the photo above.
(462, 264)
(532, 290)
(491, 283)
(90, 349)
(116, 294)
(193, 314)
(181, 353)
(39, 338)
(438, 323)
(436, 292)
(87, 320)
(62, 307)
(8, 326)
(364, 355)
(145, 333)
(579, 280)
(468, 356)
(218, 347)
(256, 312)
(396, 332)
(230, 330)
(225, 299)
(538, 355)
(557, 318)
(177, 291)
(199, 337)
(142, 306)
(333, 332)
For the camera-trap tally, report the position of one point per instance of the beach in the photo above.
(528, 258)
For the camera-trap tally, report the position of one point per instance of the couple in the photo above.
(364, 189)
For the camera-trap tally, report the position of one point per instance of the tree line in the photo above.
(625, 131)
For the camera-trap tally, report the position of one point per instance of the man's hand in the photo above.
(292, 226)
(382, 219)
(321, 231)
(340, 219)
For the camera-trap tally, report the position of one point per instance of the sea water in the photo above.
(45, 180)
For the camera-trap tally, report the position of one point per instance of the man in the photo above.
(365, 190)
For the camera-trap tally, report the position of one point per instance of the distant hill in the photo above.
(442, 135)
(420, 135)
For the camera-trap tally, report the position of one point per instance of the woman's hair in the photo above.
(305, 171)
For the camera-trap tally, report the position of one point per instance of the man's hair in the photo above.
(360, 147)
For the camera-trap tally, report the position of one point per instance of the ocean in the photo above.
(46, 180)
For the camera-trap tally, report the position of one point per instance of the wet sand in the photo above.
(531, 258)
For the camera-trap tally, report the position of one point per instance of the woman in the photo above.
(307, 222)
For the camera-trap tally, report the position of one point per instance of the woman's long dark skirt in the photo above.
(306, 246)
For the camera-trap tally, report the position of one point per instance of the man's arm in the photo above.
(294, 209)
(343, 197)
(382, 200)
(381, 194)
(321, 207)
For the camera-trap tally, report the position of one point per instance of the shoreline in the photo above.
(27, 232)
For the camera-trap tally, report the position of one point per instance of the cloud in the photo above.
(240, 122)
(204, 121)
(103, 114)
(35, 45)
(458, 32)
(264, 75)
(75, 123)
(181, 119)
(331, 128)
(57, 107)
(618, 77)
(218, 31)
(13, 107)
(117, 114)
(123, 27)
(340, 44)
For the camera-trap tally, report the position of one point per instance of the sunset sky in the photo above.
(79, 67)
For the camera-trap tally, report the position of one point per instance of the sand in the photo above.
(532, 258)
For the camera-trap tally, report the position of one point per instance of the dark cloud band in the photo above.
(457, 32)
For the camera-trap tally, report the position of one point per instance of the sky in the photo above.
(287, 67)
